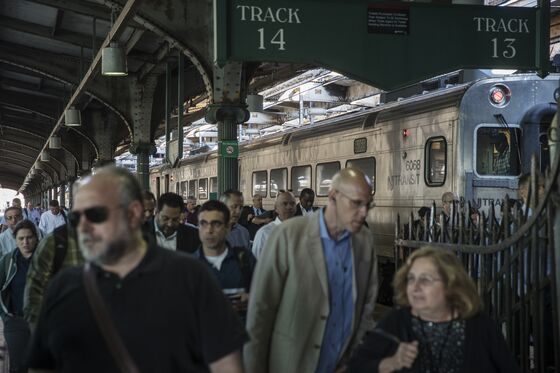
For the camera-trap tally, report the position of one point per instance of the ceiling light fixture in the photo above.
(113, 57)
(55, 142)
(72, 117)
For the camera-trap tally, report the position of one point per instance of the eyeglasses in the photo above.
(14, 217)
(356, 203)
(96, 215)
(422, 280)
(215, 224)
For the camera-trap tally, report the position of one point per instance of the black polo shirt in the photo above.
(169, 311)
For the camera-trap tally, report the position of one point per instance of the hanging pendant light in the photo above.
(55, 142)
(45, 157)
(113, 61)
(73, 117)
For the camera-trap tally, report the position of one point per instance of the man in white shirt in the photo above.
(285, 208)
(12, 216)
(52, 218)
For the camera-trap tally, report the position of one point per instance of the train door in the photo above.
(535, 125)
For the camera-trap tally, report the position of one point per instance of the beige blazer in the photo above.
(289, 302)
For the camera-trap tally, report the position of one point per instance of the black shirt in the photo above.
(169, 311)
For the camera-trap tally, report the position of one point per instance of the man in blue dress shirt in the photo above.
(315, 285)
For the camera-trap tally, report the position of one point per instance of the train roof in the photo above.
(366, 118)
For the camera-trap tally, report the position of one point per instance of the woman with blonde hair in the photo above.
(439, 326)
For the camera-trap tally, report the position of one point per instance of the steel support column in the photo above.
(104, 124)
(142, 95)
(228, 110)
(167, 109)
(180, 101)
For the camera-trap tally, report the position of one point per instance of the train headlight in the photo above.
(500, 95)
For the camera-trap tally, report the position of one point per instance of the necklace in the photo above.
(432, 356)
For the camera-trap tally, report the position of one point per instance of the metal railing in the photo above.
(513, 259)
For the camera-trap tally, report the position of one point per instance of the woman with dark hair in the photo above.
(439, 327)
(13, 272)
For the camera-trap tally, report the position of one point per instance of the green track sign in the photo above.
(384, 44)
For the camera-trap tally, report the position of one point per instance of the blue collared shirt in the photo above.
(239, 236)
(338, 258)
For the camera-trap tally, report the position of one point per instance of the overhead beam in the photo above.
(44, 107)
(116, 31)
(63, 36)
(60, 163)
(32, 89)
(57, 22)
(82, 7)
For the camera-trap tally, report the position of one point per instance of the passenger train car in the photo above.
(475, 139)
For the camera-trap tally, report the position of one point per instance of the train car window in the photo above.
(183, 189)
(435, 161)
(367, 166)
(301, 179)
(202, 188)
(498, 151)
(192, 188)
(278, 181)
(259, 183)
(324, 173)
(214, 185)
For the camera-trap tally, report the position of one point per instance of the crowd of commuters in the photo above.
(129, 282)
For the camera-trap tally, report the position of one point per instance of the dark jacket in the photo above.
(8, 269)
(485, 349)
(187, 236)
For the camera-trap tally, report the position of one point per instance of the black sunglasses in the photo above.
(93, 214)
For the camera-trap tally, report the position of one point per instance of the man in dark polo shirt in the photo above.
(166, 306)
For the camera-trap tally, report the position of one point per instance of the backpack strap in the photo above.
(60, 248)
(244, 262)
(106, 326)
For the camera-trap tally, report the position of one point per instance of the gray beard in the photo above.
(109, 256)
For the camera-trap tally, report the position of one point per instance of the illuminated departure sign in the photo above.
(384, 44)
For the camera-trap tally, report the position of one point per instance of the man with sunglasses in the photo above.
(167, 308)
(166, 226)
(12, 216)
(232, 266)
(317, 278)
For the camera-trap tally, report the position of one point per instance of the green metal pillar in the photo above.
(167, 109)
(228, 110)
(180, 102)
(228, 116)
(143, 151)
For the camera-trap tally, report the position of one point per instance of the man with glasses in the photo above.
(315, 285)
(169, 312)
(232, 266)
(166, 226)
(12, 216)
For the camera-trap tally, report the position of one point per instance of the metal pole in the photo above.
(167, 109)
(180, 101)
